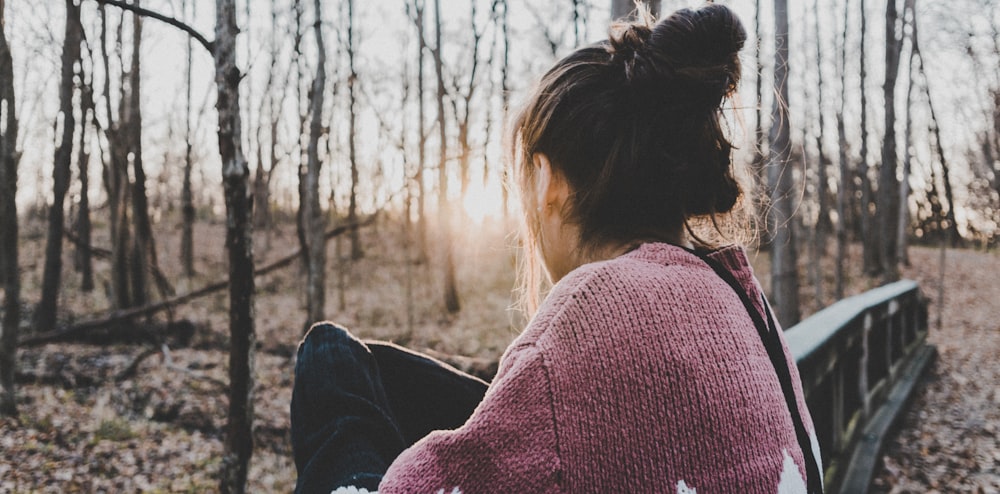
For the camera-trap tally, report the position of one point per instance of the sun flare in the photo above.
(483, 201)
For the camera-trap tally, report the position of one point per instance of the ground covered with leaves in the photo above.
(150, 417)
(949, 438)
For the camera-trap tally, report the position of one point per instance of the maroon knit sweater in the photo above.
(642, 373)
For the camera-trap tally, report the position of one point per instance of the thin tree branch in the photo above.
(209, 45)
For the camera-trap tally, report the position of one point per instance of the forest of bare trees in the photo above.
(375, 131)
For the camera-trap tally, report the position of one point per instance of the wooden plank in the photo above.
(811, 334)
(858, 476)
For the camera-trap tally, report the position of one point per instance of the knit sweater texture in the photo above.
(643, 373)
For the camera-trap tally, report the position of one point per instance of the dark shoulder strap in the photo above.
(768, 332)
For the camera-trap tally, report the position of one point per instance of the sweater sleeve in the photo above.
(509, 444)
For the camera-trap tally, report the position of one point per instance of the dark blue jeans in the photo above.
(356, 405)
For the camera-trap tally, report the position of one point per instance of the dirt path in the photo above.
(949, 439)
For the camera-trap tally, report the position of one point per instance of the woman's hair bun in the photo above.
(695, 49)
(628, 42)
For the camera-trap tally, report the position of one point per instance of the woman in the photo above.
(653, 365)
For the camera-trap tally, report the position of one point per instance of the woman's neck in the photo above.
(610, 250)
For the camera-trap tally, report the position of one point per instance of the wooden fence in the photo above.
(859, 360)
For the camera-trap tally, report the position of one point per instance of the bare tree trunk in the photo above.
(83, 258)
(187, 196)
(868, 238)
(950, 229)
(8, 227)
(888, 189)
(417, 16)
(352, 208)
(822, 186)
(902, 228)
(624, 8)
(505, 94)
(238, 445)
(463, 115)
(844, 186)
(300, 221)
(239, 243)
(116, 180)
(45, 314)
(759, 138)
(576, 23)
(784, 271)
(338, 252)
(312, 213)
(4, 77)
(261, 189)
(451, 301)
(143, 255)
(408, 174)
(262, 177)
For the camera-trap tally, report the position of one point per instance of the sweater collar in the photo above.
(733, 257)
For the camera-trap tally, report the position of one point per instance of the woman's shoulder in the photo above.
(650, 266)
(654, 284)
(600, 290)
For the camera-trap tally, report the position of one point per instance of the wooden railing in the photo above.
(859, 360)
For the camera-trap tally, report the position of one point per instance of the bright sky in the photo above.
(386, 48)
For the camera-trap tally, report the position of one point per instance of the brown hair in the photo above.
(634, 124)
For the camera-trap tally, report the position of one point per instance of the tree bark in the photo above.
(759, 137)
(45, 314)
(143, 251)
(262, 177)
(312, 213)
(408, 174)
(187, 196)
(83, 258)
(352, 207)
(116, 180)
(451, 301)
(505, 94)
(902, 227)
(417, 16)
(784, 270)
(239, 244)
(300, 221)
(869, 240)
(844, 187)
(8, 228)
(949, 230)
(888, 188)
(822, 164)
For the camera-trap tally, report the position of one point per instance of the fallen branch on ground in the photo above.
(75, 330)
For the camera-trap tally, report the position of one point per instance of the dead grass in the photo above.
(80, 431)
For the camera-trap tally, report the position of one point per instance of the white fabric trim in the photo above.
(682, 488)
(350, 489)
(791, 481)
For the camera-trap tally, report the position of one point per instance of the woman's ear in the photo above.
(551, 188)
(543, 178)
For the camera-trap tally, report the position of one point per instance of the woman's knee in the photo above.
(328, 339)
(326, 333)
